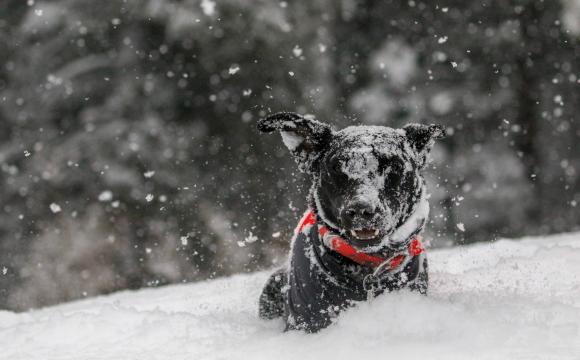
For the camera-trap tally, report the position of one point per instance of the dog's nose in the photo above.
(361, 209)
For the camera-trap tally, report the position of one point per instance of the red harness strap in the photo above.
(341, 246)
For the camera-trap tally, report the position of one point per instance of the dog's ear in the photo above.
(422, 137)
(305, 138)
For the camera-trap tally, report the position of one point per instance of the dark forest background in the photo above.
(129, 155)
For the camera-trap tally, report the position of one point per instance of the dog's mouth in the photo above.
(365, 234)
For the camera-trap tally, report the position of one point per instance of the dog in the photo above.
(361, 236)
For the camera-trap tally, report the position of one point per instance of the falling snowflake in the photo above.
(251, 238)
(461, 227)
(149, 174)
(53, 79)
(106, 195)
(442, 40)
(184, 240)
(55, 208)
(208, 7)
(297, 51)
(234, 69)
(149, 197)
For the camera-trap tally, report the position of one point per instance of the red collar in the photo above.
(341, 246)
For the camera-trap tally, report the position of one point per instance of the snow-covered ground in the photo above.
(506, 300)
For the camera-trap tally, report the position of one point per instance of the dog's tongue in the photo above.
(365, 234)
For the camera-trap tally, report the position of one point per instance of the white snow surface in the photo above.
(503, 300)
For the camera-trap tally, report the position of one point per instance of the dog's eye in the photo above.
(393, 179)
(389, 165)
(336, 171)
(384, 166)
(337, 168)
(393, 174)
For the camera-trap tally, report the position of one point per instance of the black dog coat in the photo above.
(320, 282)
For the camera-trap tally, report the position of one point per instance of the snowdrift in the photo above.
(505, 300)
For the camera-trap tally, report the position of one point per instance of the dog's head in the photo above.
(367, 180)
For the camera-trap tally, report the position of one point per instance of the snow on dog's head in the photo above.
(367, 180)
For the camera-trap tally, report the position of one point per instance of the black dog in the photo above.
(368, 205)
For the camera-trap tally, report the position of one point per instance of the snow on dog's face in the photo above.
(367, 180)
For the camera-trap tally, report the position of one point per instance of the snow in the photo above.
(55, 208)
(291, 140)
(297, 51)
(571, 16)
(106, 195)
(442, 103)
(251, 238)
(208, 7)
(234, 69)
(502, 300)
(397, 60)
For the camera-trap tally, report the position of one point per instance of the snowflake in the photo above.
(208, 7)
(251, 238)
(55, 208)
(297, 51)
(234, 69)
(106, 195)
